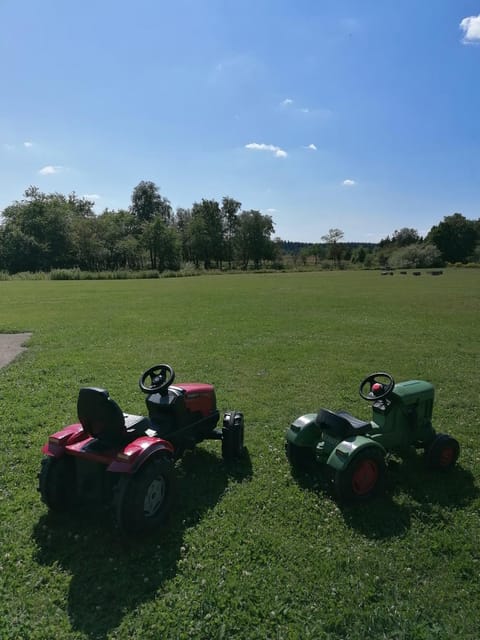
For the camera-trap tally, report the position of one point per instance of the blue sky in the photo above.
(357, 114)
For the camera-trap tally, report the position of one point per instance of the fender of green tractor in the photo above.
(347, 449)
(304, 432)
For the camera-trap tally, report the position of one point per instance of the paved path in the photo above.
(11, 345)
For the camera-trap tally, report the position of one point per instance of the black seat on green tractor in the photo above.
(341, 424)
(102, 418)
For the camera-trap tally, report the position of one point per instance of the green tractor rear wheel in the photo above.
(363, 478)
(300, 458)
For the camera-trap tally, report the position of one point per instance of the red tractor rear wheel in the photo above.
(57, 483)
(143, 500)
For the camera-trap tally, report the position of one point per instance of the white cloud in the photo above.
(91, 196)
(311, 112)
(12, 147)
(49, 170)
(312, 147)
(349, 183)
(277, 152)
(321, 113)
(471, 30)
(271, 210)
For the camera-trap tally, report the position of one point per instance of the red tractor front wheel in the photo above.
(232, 435)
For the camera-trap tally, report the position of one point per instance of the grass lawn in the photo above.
(250, 552)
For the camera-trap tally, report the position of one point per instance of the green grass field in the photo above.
(249, 552)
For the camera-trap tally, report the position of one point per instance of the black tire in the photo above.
(442, 453)
(232, 435)
(143, 500)
(299, 458)
(363, 478)
(57, 483)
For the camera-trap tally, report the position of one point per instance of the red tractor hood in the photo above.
(199, 397)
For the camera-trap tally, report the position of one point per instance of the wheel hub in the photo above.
(365, 477)
(446, 457)
(154, 497)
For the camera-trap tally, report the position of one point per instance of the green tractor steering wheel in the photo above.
(378, 390)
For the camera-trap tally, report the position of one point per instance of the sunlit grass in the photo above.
(250, 552)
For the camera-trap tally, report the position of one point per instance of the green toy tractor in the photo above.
(354, 451)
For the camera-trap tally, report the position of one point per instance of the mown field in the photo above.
(250, 552)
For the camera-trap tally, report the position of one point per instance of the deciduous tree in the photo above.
(456, 237)
(206, 233)
(405, 236)
(332, 239)
(37, 233)
(148, 203)
(253, 238)
(229, 211)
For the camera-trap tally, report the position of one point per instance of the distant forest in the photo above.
(43, 232)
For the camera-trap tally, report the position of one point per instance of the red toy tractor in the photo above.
(109, 457)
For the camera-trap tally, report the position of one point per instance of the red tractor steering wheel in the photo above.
(161, 377)
(378, 389)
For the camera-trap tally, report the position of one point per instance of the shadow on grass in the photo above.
(112, 575)
(412, 492)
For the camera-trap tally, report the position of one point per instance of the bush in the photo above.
(65, 274)
(30, 275)
(416, 256)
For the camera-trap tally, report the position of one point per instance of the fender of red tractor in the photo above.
(136, 453)
(347, 449)
(56, 443)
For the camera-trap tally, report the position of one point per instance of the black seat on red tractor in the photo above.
(102, 418)
(341, 424)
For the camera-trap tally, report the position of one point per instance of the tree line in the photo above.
(454, 240)
(44, 231)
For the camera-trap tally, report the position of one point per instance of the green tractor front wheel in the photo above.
(442, 453)
(363, 477)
